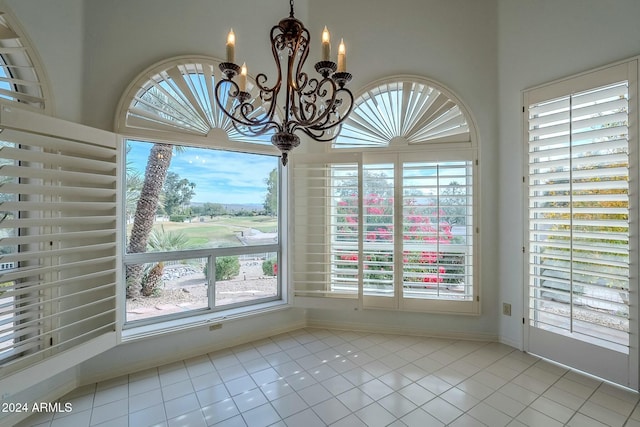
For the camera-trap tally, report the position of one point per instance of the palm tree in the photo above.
(158, 102)
(161, 241)
(144, 218)
(134, 183)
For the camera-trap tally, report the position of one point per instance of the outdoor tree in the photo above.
(150, 193)
(177, 193)
(374, 183)
(214, 209)
(146, 207)
(161, 241)
(455, 198)
(134, 181)
(271, 199)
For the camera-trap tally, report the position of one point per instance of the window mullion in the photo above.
(571, 201)
(360, 233)
(398, 226)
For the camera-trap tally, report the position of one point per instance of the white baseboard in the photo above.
(367, 327)
(511, 343)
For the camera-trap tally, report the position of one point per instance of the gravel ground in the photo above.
(189, 292)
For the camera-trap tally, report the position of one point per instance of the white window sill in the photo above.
(199, 321)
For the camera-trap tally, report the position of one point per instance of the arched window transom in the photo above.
(406, 110)
(177, 97)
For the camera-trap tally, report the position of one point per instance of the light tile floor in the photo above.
(319, 377)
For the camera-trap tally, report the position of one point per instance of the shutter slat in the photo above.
(78, 192)
(72, 177)
(65, 237)
(58, 160)
(96, 220)
(69, 146)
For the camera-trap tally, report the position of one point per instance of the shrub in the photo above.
(270, 267)
(227, 267)
(177, 218)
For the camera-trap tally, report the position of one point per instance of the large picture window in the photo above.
(201, 202)
(212, 239)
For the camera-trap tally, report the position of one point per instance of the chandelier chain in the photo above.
(291, 8)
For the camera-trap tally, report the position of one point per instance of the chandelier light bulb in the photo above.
(231, 47)
(326, 45)
(243, 78)
(342, 57)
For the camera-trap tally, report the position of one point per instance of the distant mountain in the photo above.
(233, 207)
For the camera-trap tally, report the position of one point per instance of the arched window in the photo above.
(387, 217)
(201, 199)
(408, 110)
(175, 97)
(21, 76)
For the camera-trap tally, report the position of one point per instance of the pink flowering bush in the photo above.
(423, 268)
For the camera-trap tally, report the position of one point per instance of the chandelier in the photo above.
(315, 106)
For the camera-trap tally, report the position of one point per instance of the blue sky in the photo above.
(220, 176)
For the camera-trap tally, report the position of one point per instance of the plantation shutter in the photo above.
(326, 214)
(579, 214)
(58, 265)
(379, 218)
(366, 227)
(438, 230)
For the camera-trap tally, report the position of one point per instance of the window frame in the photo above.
(399, 148)
(195, 97)
(360, 298)
(566, 89)
(164, 323)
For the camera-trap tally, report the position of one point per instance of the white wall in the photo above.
(540, 41)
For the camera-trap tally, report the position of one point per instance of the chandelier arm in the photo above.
(300, 80)
(249, 131)
(343, 116)
(239, 113)
(302, 46)
(314, 118)
(270, 94)
(320, 134)
(305, 110)
(233, 92)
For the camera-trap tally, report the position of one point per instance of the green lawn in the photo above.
(220, 231)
